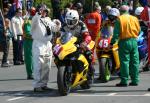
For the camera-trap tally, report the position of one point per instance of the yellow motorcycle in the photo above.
(108, 58)
(73, 67)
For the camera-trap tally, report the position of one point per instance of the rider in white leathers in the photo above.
(42, 48)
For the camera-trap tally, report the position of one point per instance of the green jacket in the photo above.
(116, 32)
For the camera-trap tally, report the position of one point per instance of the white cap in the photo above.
(138, 10)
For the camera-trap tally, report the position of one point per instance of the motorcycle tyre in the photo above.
(63, 90)
(105, 70)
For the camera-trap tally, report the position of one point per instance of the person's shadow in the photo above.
(30, 93)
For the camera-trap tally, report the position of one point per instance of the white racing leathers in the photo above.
(42, 49)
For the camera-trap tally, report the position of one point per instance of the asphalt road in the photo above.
(14, 88)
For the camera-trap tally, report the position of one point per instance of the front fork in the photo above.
(69, 73)
(89, 56)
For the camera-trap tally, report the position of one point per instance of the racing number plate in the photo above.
(103, 43)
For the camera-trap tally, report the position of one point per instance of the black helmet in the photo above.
(79, 5)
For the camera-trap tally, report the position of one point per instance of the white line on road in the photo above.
(16, 98)
(111, 94)
(84, 95)
(148, 94)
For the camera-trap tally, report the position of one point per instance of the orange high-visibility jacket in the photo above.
(93, 23)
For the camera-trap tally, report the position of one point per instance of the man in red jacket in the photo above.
(145, 16)
(93, 22)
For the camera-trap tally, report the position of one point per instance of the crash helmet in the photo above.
(138, 10)
(72, 18)
(113, 13)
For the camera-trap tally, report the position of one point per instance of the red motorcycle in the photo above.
(108, 58)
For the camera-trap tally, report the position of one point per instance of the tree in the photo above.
(1, 5)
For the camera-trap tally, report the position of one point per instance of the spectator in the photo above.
(104, 14)
(62, 16)
(137, 13)
(2, 25)
(4, 39)
(128, 48)
(11, 11)
(145, 16)
(5, 2)
(25, 14)
(79, 8)
(5, 12)
(6, 43)
(28, 43)
(69, 5)
(17, 23)
(42, 48)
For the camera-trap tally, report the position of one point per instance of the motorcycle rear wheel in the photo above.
(62, 82)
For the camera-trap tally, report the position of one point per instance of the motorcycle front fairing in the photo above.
(63, 48)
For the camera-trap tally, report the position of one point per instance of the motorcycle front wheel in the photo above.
(62, 81)
(104, 66)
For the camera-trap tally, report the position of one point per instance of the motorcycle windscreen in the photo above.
(106, 31)
(65, 37)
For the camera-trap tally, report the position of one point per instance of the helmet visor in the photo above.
(71, 22)
(111, 17)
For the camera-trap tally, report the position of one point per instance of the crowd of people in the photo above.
(29, 33)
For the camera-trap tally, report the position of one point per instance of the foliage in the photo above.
(38, 2)
(88, 3)
(103, 3)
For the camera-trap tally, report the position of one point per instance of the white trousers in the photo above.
(42, 57)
